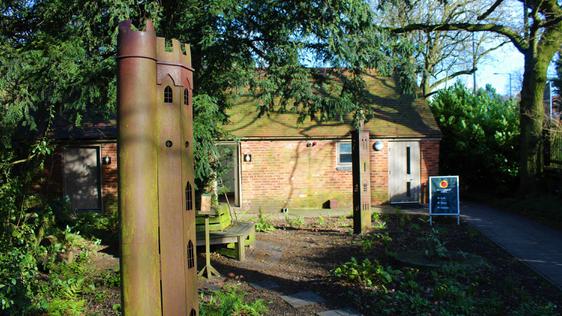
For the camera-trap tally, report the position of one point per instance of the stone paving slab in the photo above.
(264, 285)
(274, 251)
(340, 312)
(303, 298)
(539, 246)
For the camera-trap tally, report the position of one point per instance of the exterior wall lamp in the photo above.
(247, 158)
(106, 160)
(378, 145)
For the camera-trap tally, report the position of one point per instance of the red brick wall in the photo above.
(289, 174)
(109, 180)
(429, 159)
(379, 173)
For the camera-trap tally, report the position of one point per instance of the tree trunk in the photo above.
(425, 86)
(531, 120)
(537, 58)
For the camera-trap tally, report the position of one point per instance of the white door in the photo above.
(404, 172)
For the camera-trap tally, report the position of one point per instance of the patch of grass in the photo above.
(230, 301)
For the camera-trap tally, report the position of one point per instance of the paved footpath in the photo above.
(537, 245)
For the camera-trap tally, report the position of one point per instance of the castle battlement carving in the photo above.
(136, 43)
(175, 55)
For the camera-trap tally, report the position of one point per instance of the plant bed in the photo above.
(467, 273)
(473, 276)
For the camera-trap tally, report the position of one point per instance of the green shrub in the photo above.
(66, 307)
(536, 308)
(480, 137)
(230, 301)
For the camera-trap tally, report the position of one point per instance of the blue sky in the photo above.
(495, 70)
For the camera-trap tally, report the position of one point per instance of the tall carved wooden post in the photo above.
(158, 264)
(138, 190)
(361, 166)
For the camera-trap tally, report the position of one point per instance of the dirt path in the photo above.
(289, 262)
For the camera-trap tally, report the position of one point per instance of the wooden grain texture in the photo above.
(172, 253)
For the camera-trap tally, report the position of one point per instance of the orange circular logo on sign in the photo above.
(443, 184)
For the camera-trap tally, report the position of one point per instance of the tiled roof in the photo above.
(100, 130)
(395, 116)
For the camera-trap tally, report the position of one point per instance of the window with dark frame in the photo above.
(190, 255)
(185, 96)
(168, 95)
(408, 154)
(188, 197)
(344, 154)
(193, 312)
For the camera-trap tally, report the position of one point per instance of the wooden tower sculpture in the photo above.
(361, 169)
(158, 264)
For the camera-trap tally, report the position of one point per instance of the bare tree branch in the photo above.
(489, 11)
(514, 37)
(454, 75)
(489, 50)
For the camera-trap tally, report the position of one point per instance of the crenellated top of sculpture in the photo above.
(136, 43)
(175, 55)
(145, 44)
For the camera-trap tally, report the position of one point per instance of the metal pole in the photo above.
(510, 93)
(473, 64)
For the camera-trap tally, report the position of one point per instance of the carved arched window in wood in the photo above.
(168, 95)
(188, 197)
(190, 255)
(185, 96)
(193, 312)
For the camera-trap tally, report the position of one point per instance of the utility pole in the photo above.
(473, 64)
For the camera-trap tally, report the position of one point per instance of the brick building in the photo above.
(273, 162)
(85, 164)
(277, 163)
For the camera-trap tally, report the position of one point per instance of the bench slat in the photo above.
(229, 235)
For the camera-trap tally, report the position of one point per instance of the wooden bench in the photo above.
(236, 233)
